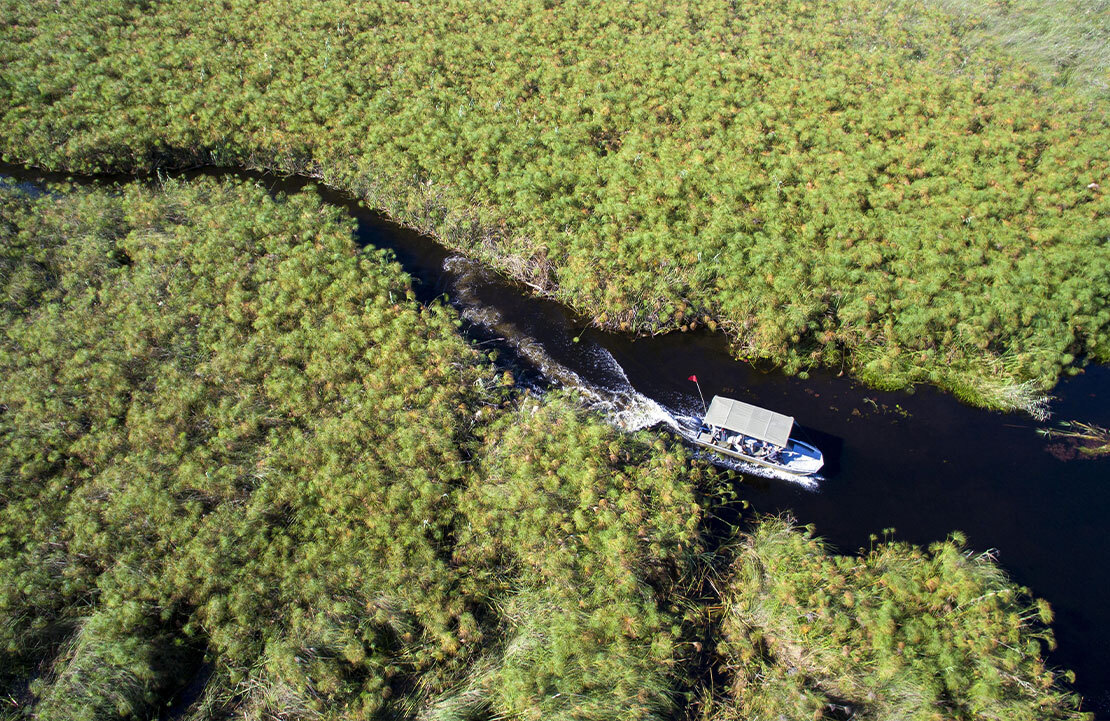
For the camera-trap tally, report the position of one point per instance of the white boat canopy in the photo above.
(750, 420)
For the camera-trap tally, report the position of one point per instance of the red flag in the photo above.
(693, 378)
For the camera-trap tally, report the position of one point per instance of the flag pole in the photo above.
(704, 408)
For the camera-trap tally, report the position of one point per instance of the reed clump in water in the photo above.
(897, 632)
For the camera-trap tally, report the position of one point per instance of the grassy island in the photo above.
(913, 191)
(244, 475)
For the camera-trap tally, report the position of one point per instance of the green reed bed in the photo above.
(897, 632)
(884, 188)
(244, 475)
(236, 450)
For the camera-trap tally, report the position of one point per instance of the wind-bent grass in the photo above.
(1068, 39)
(112, 667)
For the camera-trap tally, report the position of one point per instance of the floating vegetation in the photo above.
(1085, 438)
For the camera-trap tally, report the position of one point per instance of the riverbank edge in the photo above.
(472, 231)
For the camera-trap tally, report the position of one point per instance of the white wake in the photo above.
(623, 406)
(617, 400)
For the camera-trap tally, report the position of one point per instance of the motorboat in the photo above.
(756, 435)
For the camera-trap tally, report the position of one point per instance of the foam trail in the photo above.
(624, 407)
(634, 409)
(622, 404)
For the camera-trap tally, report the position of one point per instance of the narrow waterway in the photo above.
(920, 463)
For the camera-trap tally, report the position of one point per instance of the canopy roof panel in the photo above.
(750, 420)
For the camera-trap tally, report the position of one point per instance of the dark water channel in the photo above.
(921, 463)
